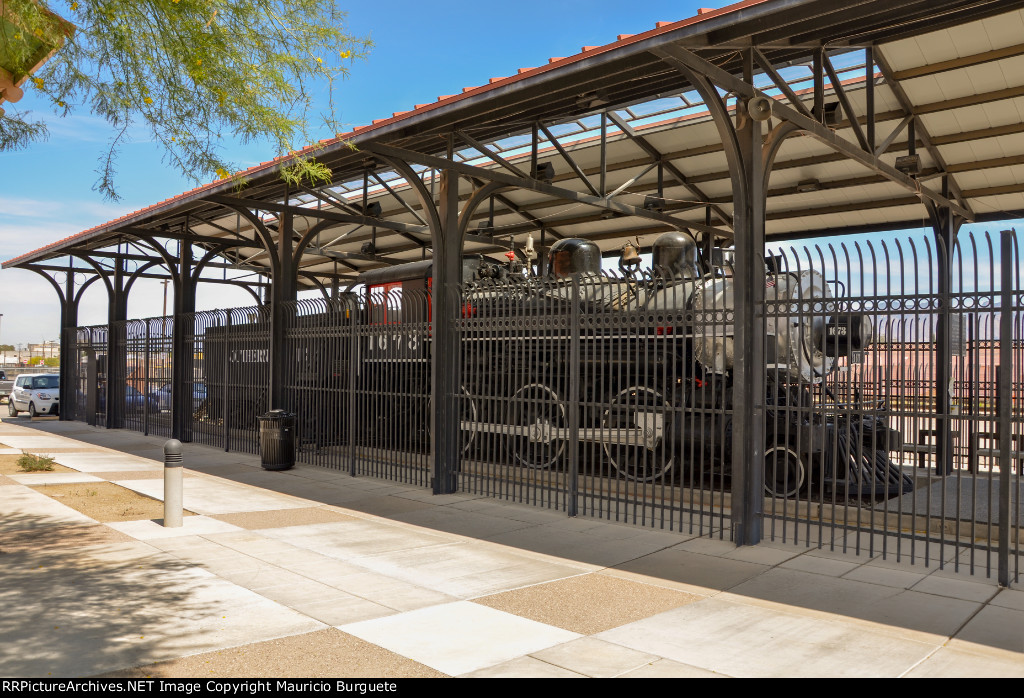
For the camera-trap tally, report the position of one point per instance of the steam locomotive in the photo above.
(638, 369)
(654, 366)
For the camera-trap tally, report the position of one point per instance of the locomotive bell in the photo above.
(675, 255)
(574, 256)
(630, 258)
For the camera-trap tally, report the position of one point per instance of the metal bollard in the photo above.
(172, 483)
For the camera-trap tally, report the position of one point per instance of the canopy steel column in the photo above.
(68, 324)
(748, 321)
(744, 148)
(945, 225)
(283, 290)
(445, 369)
(181, 345)
(117, 348)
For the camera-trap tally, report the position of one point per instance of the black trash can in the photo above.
(277, 440)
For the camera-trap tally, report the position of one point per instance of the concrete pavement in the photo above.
(311, 572)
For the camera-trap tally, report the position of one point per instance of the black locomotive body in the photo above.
(636, 371)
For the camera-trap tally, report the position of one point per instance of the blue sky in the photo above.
(422, 50)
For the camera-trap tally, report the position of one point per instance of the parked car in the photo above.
(36, 394)
(135, 401)
(6, 386)
(163, 395)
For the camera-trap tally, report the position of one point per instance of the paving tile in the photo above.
(596, 658)
(668, 669)
(578, 546)
(34, 479)
(967, 660)
(346, 540)
(909, 614)
(148, 529)
(107, 462)
(746, 641)
(124, 607)
(707, 546)
(523, 668)
(70, 536)
(885, 576)
(216, 496)
(384, 505)
(761, 555)
(969, 590)
(463, 523)
(24, 508)
(475, 637)
(467, 570)
(701, 574)
(1009, 598)
(342, 610)
(387, 591)
(820, 565)
(995, 627)
(588, 603)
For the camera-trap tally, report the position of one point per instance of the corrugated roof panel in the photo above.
(966, 40)
(992, 177)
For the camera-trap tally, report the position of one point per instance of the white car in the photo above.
(36, 394)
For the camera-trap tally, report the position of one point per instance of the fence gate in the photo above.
(88, 375)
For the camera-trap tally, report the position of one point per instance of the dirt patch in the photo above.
(9, 466)
(589, 603)
(254, 520)
(106, 502)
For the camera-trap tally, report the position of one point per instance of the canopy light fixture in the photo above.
(545, 172)
(909, 164)
(832, 114)
(653, 202)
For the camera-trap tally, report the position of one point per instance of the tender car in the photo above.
(35, 394)
(163, 395)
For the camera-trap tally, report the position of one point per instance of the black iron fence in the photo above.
(586, 395)
(915, 411)
(892, 412)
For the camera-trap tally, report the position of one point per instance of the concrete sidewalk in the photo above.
(310, 572)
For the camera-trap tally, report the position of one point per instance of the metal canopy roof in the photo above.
(956, 67)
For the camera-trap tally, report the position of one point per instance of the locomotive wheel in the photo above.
(538, 407)
(643, 460)
(784, 472)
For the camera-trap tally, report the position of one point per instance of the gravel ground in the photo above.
(105, 501)
(320, 654)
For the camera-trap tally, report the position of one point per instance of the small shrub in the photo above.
(31, 463)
